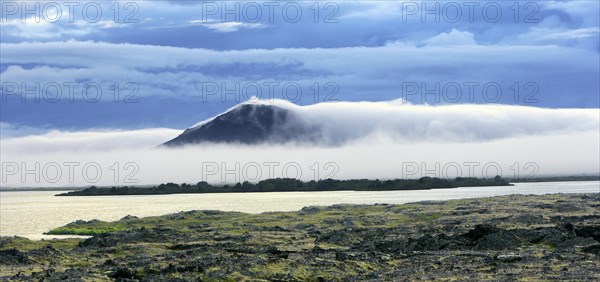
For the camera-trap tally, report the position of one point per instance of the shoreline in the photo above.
(42, 211)
(539, 237)
(533, 180)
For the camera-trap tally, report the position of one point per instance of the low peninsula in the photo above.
(294, 185)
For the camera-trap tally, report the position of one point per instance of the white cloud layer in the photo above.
(345, 122)
(452, 38)
(227, 26)
(385, 138)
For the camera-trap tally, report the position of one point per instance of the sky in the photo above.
(136, 73)
(161, 60)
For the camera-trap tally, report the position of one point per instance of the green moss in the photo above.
(77, 263)
(428, 216)
(24, 244)
(85, 231)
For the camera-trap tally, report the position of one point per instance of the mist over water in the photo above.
(376, 140)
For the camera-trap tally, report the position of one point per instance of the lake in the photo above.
(31, 213)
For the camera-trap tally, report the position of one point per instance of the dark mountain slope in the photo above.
(250, 124)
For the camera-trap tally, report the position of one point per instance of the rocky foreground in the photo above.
(548, 237)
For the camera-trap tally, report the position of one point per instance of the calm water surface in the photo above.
(30, 214)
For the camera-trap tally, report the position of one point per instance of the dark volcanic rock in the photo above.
(12, 257)
(588, 231)
(481, 231)
(122, 273)
(593, 249)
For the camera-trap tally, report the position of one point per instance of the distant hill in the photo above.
(250, 124)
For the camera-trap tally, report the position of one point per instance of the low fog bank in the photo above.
(345, 122)
(384, 140)
(570, 154)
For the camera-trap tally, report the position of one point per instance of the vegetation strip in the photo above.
(294, 185)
